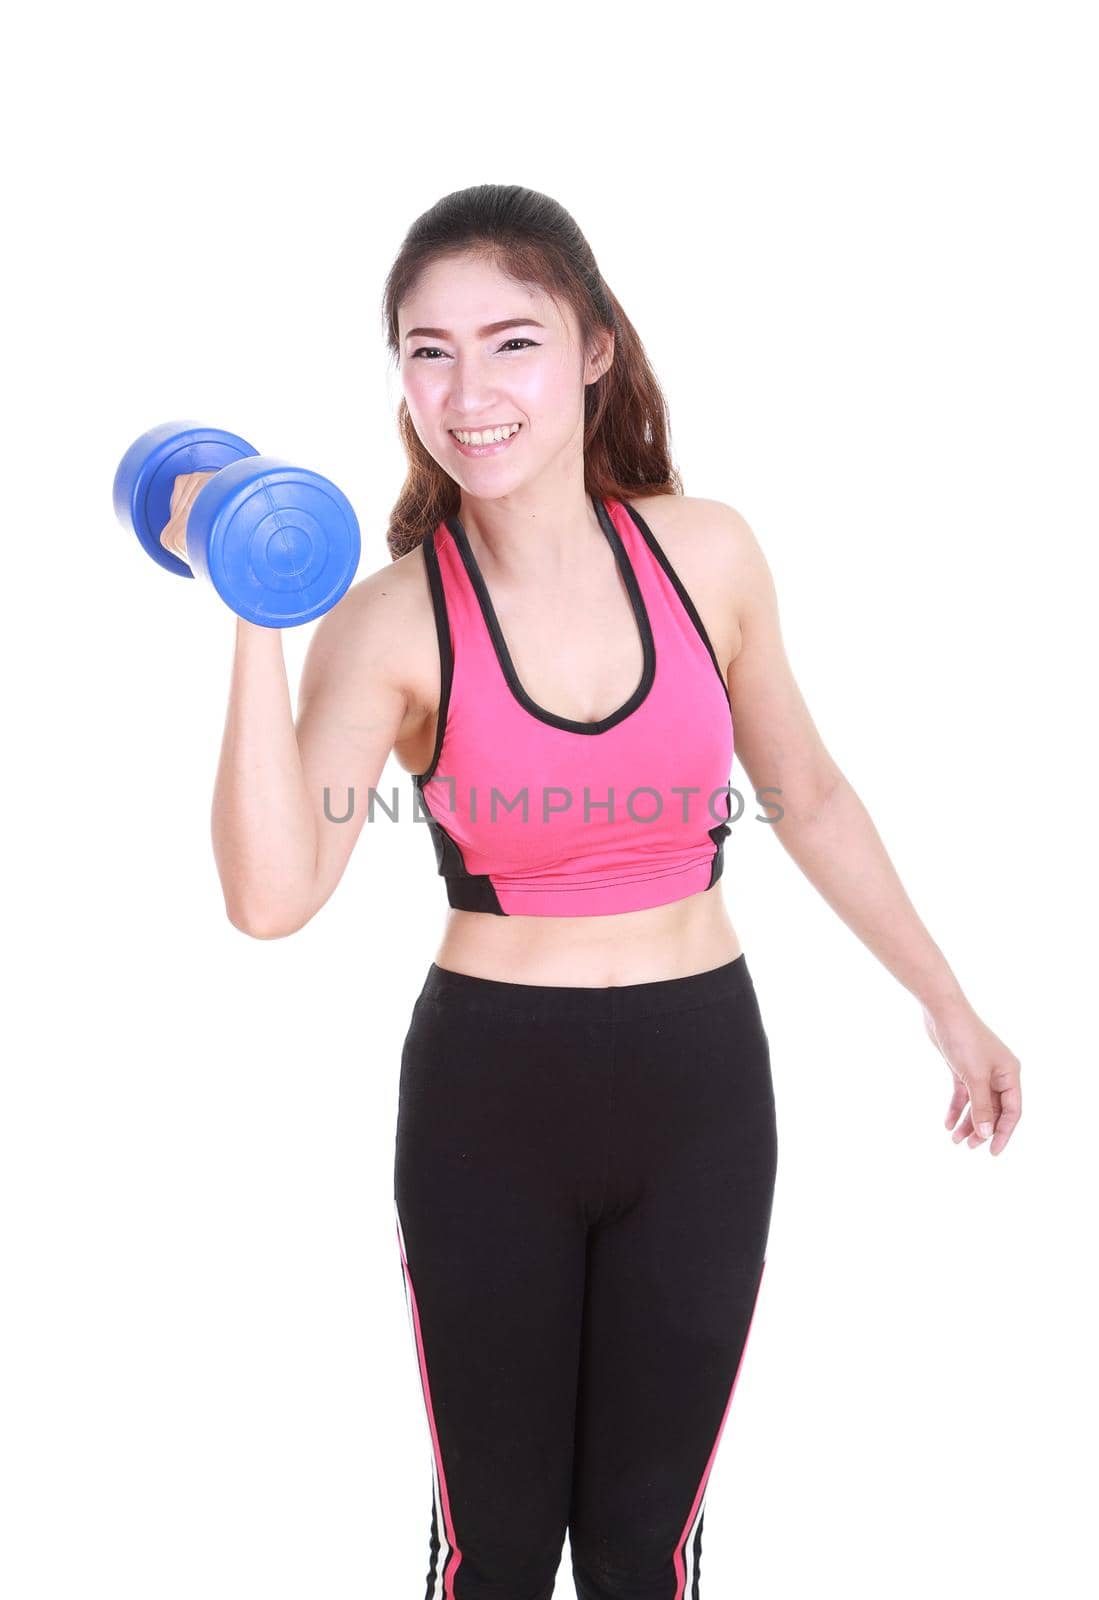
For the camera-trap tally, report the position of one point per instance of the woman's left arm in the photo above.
(828, 832)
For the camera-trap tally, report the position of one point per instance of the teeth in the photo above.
(487, 435)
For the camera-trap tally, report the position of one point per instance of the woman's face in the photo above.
(461, 373)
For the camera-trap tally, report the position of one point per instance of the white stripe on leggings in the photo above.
(689, 1553)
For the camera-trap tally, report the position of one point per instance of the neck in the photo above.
(537, 535)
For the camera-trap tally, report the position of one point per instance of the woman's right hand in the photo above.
(185, 490)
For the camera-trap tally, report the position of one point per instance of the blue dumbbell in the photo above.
(280, 544)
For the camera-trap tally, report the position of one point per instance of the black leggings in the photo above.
(583, 1185)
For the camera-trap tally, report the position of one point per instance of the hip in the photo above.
(602, 1091)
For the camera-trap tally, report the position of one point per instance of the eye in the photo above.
(433, 350)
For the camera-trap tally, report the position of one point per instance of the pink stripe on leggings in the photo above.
(680, 1568)
(447, 1519)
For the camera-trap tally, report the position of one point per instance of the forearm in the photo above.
(263, 825)
(837, 846)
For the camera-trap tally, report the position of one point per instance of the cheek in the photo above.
(415, 389)
(424, 410)
(551, 390)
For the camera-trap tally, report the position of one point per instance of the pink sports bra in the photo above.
(533, 814)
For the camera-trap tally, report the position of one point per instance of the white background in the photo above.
(858, 243)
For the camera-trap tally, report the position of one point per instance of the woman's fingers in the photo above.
(958, 1102)
(964, 1129)
(985, 1075)
(983, 1109)
(1011, 1110)
(991, 1115)
(185, 491)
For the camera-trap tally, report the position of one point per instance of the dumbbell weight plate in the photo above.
(279, 543)
(143, 482)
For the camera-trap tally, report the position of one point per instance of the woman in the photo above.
(586, 1146)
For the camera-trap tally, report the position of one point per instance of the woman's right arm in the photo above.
(278, 854)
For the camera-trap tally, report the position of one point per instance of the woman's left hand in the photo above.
(986, 1076)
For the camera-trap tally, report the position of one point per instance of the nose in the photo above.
(472, 394)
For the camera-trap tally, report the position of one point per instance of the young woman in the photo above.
(559, 652)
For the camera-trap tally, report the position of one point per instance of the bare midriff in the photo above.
(671, 941)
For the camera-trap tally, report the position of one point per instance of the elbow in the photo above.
(263, 923)
(807, 802)
(821, 794)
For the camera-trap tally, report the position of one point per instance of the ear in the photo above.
(602, 358)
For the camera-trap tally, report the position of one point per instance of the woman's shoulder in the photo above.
(708, 528)
(708, 542)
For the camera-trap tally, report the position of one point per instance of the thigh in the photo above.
(674, 1270)
(489, 1190)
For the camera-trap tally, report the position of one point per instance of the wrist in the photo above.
(942, 998)
(935, 987)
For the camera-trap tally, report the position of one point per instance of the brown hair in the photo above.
(536, 241)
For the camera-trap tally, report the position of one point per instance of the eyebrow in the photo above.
(482, 333)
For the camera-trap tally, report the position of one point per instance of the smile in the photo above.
(494, 447)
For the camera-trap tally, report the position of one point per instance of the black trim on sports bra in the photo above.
(466, 891)
(688, 604)
(446, 654)
(503, 655)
